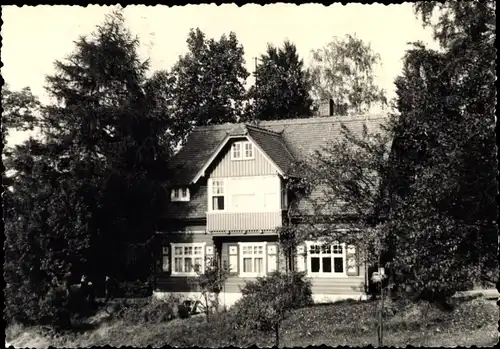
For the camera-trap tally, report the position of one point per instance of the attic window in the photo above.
(179, 194)
(242, 151)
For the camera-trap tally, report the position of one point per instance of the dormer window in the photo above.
(242, 151)
(179, 194)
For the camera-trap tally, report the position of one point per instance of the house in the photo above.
(228, 196)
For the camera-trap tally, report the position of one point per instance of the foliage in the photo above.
(343, 71)
(148, 311)
(281, 88)
(426, 209)
(348, 323)
(266, 302)
(344, 185)
(20, 109)
(209, 80)
(211, 280)
(133, 289)
(444, 182)
(86, 195)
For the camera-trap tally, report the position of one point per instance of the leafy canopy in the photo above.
(281, 89)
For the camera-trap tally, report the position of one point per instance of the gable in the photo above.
(284, 142)
(225, 166)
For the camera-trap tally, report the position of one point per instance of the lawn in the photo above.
(471, 322)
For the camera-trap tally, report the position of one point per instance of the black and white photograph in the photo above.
(277, 175)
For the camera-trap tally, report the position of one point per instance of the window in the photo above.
(324, 259)
(271, 201)
(186, 258)
(248, 150)
(236, 150)
(243, 202)
(252, 259)
(180, 194)
(244, 194)
(217, 195)
(242, 151)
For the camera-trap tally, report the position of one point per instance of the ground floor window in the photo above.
(326, 259)
(253, 259)
(186, 258)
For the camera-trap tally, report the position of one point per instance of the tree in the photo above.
(209, 80)
(281, 89)
(20, 110)
(211, 281)
(86, 197)
(345, 184)
(343, 71)
(444, 183)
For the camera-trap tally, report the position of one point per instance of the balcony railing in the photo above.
(243, 221)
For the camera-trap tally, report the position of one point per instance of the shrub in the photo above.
(210, 282)
(134, 289)
(150, 311)
(296, 287)
(21, 306)
(266, 302)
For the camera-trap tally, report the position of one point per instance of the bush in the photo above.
(21, 306)
(134, 289)
(266, 302)
(150, 311)
(294, 285)
(27, 307)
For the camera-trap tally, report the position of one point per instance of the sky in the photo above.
(34, 37)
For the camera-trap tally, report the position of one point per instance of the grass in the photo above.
(471, 322)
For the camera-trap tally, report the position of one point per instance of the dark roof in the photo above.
(284, 141)
(273, 145)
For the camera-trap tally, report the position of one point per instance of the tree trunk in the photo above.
(277, 335)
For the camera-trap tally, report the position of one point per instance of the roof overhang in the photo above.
(221, 146)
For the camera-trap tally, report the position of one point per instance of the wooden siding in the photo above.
(240, 221)
(225, 167)
(339, 285)
(186, 237)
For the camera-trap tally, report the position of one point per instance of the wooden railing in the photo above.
(243, 221)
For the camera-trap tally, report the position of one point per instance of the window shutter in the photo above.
(301, 258)
(233, 259)
(272, 258)
(209, 255)
(352, 268)
(165, 259)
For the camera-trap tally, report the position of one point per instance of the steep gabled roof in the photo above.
(273, 145)
(268, 142)
(283, 141)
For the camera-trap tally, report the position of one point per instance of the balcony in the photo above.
(243, 221)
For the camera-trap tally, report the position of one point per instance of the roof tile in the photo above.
(288, 140)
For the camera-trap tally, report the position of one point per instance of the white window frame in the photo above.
(256, 189)
(177, 194)
(193, 256)
(333, 255)
(242, 148)
(241, 257)
(211, 194)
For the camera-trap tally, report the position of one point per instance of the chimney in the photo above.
(325, 107)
